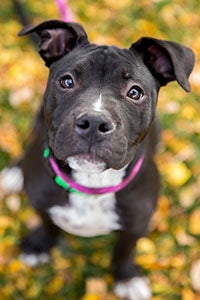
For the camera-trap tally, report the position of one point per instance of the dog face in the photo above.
(97, 105)
(100, 101)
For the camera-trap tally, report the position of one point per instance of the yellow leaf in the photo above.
(163, 205)
(145, 245)
(177, 173)
(178, 261)
(188, 294)
(5, 222)
(16, 266)
(146, 260)
(188, 195)
(96, 289)
(91, 297)
(160, 283)
(188, 112)
(55, 285)
(194, 222)
(9, 140)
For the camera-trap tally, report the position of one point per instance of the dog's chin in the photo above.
(86, 163)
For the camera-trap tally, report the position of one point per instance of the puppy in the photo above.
(89, 169)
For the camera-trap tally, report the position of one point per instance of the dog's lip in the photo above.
(86, 163)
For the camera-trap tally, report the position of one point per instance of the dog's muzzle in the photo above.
(96, 137)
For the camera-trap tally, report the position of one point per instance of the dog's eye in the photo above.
(135, 93)
(67, 82)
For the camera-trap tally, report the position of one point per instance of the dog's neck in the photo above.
(92, 174)
(100, 182)
(102, 179)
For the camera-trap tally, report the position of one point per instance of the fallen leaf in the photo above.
(145, 245)
(183, 238)
(188, 294)
(188, 195)
(13, 202)
(194, 222)
(96, 289)
(177, 173)
(9, 140)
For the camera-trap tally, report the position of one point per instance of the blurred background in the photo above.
(80, 267)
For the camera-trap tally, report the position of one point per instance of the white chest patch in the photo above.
(89, 215)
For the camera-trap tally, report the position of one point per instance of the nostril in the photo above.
(104, 128)
(83, 124)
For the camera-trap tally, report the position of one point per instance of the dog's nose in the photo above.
(94, 125)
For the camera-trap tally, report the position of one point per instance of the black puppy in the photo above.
(89, 169)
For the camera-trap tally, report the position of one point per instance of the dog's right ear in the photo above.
(57, 38)
(166, 60)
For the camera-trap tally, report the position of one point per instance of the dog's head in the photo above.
(100, 101)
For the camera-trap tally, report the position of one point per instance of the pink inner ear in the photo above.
(55, 43)
(160, 63)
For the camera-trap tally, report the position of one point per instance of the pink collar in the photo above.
(67, 183)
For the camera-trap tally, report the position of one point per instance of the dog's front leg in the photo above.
(130, 282)
(38, 243)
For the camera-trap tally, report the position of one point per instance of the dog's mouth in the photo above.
(86, 163)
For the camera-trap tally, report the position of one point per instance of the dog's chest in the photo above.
(89, 215)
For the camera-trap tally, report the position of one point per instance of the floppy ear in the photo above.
(166, 60)
(57, 38)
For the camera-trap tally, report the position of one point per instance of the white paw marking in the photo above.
(33, 260)
(136, 288)
(11, 180)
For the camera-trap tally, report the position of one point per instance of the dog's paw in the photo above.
(33, 259)
(36, 246)
(11, 180)
(136, 288)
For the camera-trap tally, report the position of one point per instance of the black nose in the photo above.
(94, 125)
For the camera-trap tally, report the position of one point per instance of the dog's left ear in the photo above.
(57, 38)
(166, 60)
